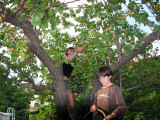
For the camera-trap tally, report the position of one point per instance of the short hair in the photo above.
(104, 71)
(70, 48)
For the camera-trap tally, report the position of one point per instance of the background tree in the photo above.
(37, 29)
(13, 96)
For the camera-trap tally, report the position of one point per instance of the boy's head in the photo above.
(69, 51)
(104, 71)
(104, 75)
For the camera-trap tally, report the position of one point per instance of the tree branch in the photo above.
(142, 84)
(144, 43)
(33, 86)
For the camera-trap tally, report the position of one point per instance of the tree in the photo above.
(30, 29)
(13, 96)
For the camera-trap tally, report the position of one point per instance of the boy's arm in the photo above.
(69, 58)
(109, 117)
(120, 102)
(94, 106)
(119, 111)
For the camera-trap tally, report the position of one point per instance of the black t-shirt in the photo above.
(67, 69)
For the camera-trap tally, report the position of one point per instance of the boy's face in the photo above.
(70, 51)
(105, 80)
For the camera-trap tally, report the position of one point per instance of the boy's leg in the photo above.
(70, 99)
(71, 104)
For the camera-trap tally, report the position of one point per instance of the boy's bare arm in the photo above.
(109, 117)
(69, 58)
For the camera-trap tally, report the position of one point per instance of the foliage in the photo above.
(143, 103)
(12, 95)
(104, 25)
(134, 73)
(46, 109)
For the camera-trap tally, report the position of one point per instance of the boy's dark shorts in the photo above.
(67, 84)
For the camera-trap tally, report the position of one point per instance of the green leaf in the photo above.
(36, 18)
(40, 15)
(44, 25)
(78, 11)
(33, 23)
(22, 58)
(50, 12)
(10, 52)
(127, 48)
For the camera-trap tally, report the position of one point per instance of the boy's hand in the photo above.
(93, 108)
(106, 119)
(79, 49)
(109, 117)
